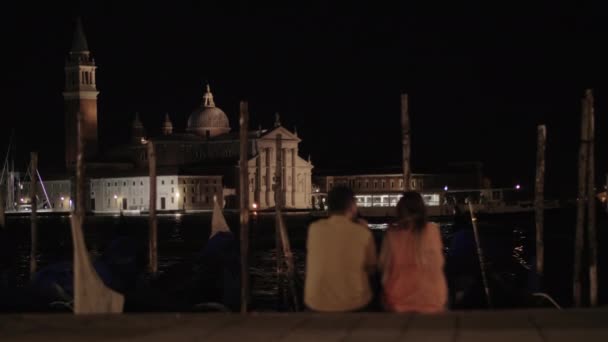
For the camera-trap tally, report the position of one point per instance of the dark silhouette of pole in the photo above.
(244, 203)
(482, 264)
(2, 207)
(406, 145)
(153, 225)
(583, 162)
(591, 207)
(278, 204)
(33, 217)
(539, 199)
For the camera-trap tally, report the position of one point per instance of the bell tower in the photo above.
(80, 96)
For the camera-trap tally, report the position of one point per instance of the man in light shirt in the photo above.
(340, 259)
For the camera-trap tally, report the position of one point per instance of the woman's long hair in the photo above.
(411, 214)
(411, 211)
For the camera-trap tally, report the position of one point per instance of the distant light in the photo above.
(22, 200)
(115, 197)
(254, 205)
(70, 203)
(445, 188)
(177, 194)
(517, 187)
(63, 199)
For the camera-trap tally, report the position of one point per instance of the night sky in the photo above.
(480, 77)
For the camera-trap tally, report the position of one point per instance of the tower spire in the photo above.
(139, 131)
(79, 43)
(208, 98)
(167, 125)
(277, 119)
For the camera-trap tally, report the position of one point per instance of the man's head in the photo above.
(341, 201)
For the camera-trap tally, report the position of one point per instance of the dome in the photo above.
(208, 119)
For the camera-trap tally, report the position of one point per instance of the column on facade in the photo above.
(284, 175)
(294, 180)
(269, 173)
(258, 179)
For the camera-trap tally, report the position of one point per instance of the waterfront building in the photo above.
(193, 165)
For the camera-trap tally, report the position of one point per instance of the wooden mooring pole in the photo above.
(278, 203)
(591, 207)
(244, 203)
(539, 199)
(153, 224)
(405, 130)
(283, 246)
(482, 264)
(2, 207)
(583, 162)
(33, 218)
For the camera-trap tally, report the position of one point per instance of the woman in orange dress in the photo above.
(411, 260)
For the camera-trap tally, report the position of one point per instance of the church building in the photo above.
(194, 164)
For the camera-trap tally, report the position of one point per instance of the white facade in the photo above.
(59, 194)
(296, 173)
(172, 193)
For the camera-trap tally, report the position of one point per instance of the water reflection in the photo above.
(181, 237)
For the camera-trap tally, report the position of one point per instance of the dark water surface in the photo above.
(508, 242)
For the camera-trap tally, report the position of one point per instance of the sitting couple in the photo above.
(341, 259)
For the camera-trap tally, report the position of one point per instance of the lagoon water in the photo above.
(507, 241)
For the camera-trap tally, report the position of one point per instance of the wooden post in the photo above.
(583, 162)
(153, 227)
(539, 199)
(482, 264)
(591, 208)
(2, 207)
(405, 129)
(278, 203)
(33, 217)
(91, 296)
(289, 262)
(244, 203)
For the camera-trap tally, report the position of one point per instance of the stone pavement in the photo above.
(493, 326)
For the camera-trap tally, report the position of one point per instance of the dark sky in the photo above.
(480, 77)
